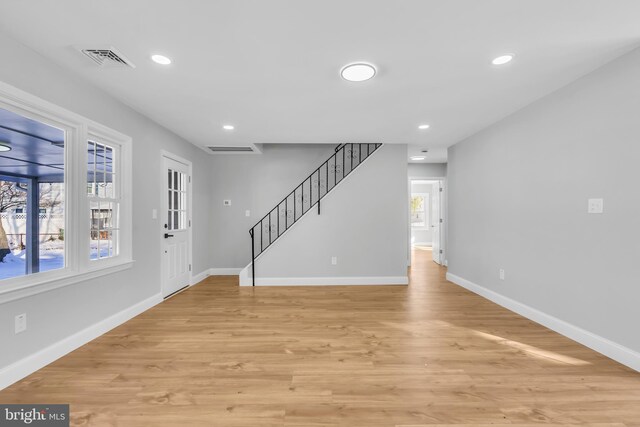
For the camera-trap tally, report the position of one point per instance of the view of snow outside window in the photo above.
(14, 233)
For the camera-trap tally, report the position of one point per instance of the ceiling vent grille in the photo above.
(222, 149)
(107, 57)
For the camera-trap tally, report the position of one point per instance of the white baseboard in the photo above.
(326, 281)
(20, 369)
(199, 277)
(224, 271)
(615, 351)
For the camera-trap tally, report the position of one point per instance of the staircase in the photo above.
(306, 196)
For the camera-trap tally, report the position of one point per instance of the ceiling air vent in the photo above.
(107, 57)
(221, 149)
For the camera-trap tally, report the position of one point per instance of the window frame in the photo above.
(116, 196)
(77, 129)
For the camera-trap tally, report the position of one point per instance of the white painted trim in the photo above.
(224, 271)
(615, 351)
(422, 244)
(197, 278)
(245, 280)
(65, 278)
(26, 366)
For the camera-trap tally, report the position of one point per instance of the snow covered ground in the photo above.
(51, 258)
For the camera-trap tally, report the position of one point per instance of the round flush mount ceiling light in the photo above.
(502, 59)
(228, 127)
(358, 72)
(418, 157)
(4, 146)
(160, 59)
(423, 127)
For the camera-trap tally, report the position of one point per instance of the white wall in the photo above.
(60, 313)
(518, 200)
(427, 170)
(363, 223)
(255, 183)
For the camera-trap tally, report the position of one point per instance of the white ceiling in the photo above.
(271, 68)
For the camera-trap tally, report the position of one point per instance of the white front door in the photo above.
(435, 220)
(177, 220)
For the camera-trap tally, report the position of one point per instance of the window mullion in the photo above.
(81, 211)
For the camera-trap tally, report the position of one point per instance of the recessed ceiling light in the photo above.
(228, 127)
(358, 72)
(161, 59)
(418, 157)
(423, 127)
(4, 146)
(502, 59)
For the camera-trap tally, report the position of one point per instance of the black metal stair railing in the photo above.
(345, 159)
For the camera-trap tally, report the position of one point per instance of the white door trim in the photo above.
(163, 176)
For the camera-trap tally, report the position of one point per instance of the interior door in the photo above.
(176, 216)
(435, 220)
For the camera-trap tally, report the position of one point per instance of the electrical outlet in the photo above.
(334, 260)
(226, 202)
(501, 274)
(21, 323)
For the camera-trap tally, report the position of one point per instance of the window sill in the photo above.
(45, 284)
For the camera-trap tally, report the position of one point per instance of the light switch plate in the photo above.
(595, 206)
(247, 213)
(154, 214)
(20, 323)
(334, 260)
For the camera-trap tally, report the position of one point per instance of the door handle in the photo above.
(167, 235)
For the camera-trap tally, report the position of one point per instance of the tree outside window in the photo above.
(419, 210)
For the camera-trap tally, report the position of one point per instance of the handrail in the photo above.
(338, 161)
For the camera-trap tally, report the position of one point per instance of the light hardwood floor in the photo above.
(430, 354)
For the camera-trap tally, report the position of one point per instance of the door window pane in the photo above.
(176, 200)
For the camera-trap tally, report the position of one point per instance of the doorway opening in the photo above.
(426, 210)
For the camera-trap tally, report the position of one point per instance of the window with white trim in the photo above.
(104, 199)
(77, 197)
(32, 179)
(420, 210)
